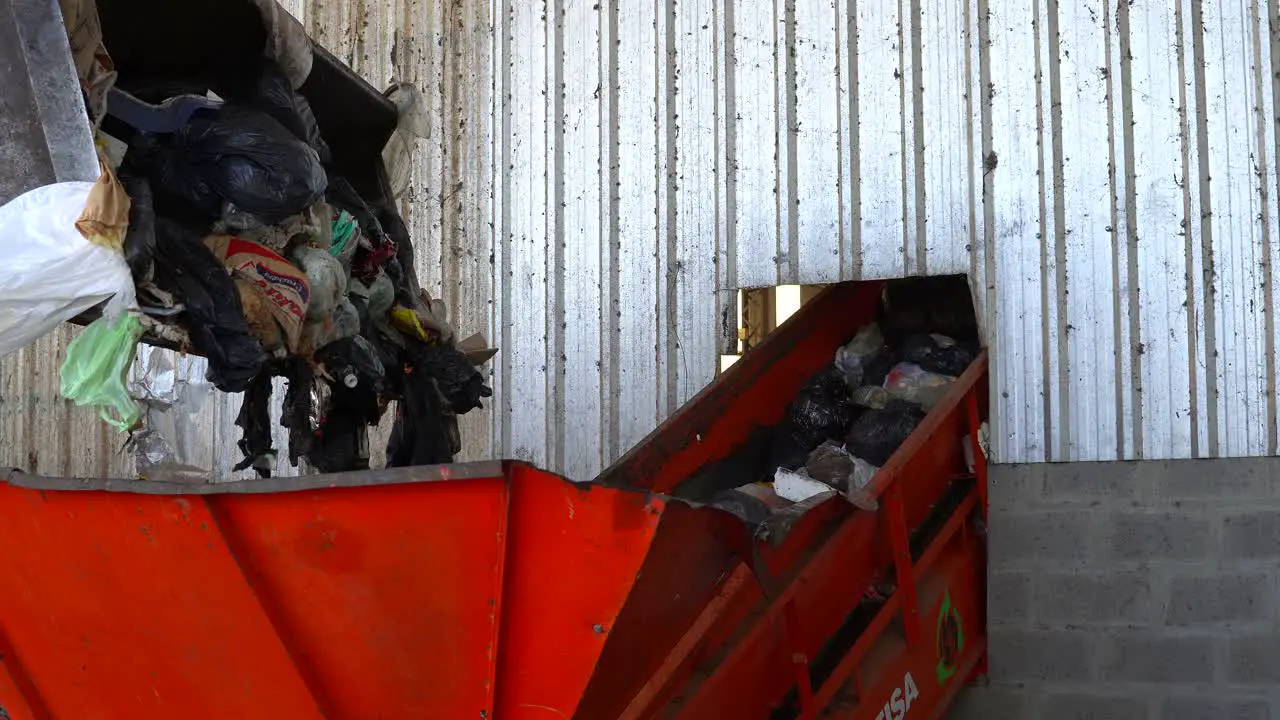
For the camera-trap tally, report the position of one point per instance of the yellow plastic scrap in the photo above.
(106, 213)
(406, 321)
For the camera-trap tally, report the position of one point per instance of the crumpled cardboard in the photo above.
(106, 211)
(477, 349)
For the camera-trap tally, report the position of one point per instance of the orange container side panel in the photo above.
(386, 596)
(574, 554)
(470, 597)
(134, 606)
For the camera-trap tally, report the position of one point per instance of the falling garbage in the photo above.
(223, 225)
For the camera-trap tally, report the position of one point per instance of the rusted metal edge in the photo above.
(164, 484)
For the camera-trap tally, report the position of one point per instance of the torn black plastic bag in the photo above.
(952, 360)
(254, 422)
(300, 415)
(341, 442)
(271, 92)
(419, 436)
(211, 314)
(915, 348)
(878, 366)
(822, 410)
(462, 386)
(140, 239)
(236, 163)
(357, 372)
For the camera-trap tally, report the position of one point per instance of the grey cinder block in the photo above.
(1082, 598)
(1090, 481)
(1191, 479)
(1192, 707)
(1150, 536)
(989, 703)
(1061, 536)
(1040, 655)
(1251, 535)
(1226, 597)
(1254, 659)
(1008, 597)
(1150, 657)
(1078, 706)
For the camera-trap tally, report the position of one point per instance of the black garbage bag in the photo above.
(300, 415)
(878, 367)
(461, 385)
(236, 163)
(140, 239)
(211, 314)
(915, 348)
(952, 360)
(268, 90)
(254, 422)
(822, 410)
(877, 434)
(341, 442)
(784, 450)
(830, 463)
(359, 379)
(419, 435)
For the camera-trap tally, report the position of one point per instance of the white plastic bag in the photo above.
(863, 473)
(797, 486)
(51, 273)
(908, 381)
(851, 359)
(413, 125)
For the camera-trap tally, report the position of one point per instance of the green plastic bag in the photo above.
(344, 229)
(95, 371)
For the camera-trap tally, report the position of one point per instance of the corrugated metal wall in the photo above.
(1105, 172)
(602, 175)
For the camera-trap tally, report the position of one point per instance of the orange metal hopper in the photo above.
(469, 591)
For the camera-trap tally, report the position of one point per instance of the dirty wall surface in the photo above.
(600, 176)
(1104, 172)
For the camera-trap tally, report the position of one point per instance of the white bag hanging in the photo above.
(51, 273)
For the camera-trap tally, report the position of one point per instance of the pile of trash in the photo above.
(220, 225)
(850, 418)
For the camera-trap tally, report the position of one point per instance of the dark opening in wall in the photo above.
(907, 304)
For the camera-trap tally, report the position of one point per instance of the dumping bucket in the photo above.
(470, 591)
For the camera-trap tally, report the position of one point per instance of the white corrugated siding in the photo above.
(627, 164)
(1104, 172)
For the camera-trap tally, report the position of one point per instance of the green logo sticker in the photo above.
(950, 640)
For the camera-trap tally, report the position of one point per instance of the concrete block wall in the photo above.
(1133, 591)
